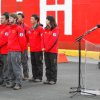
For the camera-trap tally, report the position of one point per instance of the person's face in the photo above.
(20, 18)
(3, 19)
(11, 20)
(47, 22)
(33, 21)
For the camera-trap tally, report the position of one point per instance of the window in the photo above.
(19, 12)
(19, 0)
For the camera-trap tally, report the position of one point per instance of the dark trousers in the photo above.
(99, 65)
(24, 60)
(1, 69)
(5, 68)
(51, 66)
(37, 65)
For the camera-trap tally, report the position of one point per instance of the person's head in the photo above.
(13, 18)
(34, 19)
(50, 21)
(5, 18)
(20, 17)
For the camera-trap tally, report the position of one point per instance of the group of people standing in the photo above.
(15, 37)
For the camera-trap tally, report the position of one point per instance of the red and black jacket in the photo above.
(26, 29)
(3, 39)
(35, 38)
(50, 40)
(16, 39)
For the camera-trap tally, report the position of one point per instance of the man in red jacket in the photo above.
(24, 56)
(3, 48)
(35, 49)
(16, 44)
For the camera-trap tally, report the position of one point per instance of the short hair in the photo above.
(52, 21)
(36, 17)
(14, 15)
(6, 14)
(21, 15)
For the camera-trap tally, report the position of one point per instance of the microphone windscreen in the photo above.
(98, 26)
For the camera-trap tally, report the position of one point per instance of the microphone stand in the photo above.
(99, 62)
(79, 88)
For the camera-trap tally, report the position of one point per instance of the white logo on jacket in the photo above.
(29, 32)
(41, 34)
(6, 33)
(21, 34)
(54, 34)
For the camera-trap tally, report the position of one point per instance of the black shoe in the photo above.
(25, 78)
(99, 65)
(52, 82)
(46, 82)
(31, 80)
(37, 80)
(4, 84)
(10, 85)
(17, 87)
(1, 82)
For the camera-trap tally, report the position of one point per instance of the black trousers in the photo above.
(1, 69)
(99, 65)
(37, 64)
(24, 60)
(5, 67)
(51, 66)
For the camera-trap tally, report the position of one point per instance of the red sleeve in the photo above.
(22, 38)
(42, 39)
(3, 39)
(26, 33)
(53, 40)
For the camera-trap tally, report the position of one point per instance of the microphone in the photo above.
(94, 28)
(89, 31)
(98, 26)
